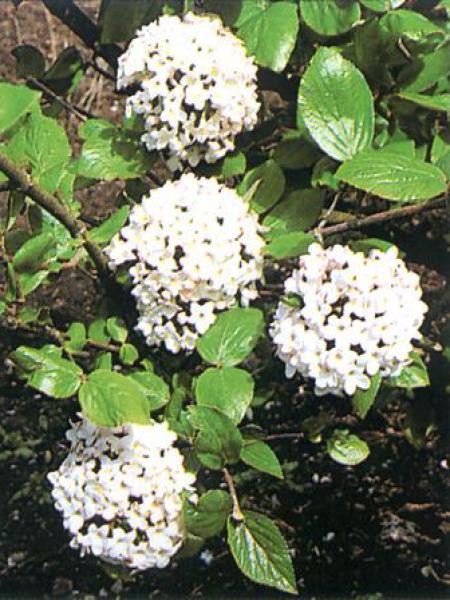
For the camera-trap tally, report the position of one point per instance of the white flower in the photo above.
(120, 493)
(194, 249)
(197, 87)
(357, 316)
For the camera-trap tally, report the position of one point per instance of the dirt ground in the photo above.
(380, 528)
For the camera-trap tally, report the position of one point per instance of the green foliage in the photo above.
(269, 31)
(111, 153)
(16, 101)
(45, 371)
(393, 176)
(363, 399)
(330, 17)
(336, 105)
(260, 456)
(207, 518)
(298, 212)
(232, 337)
(219, 441)
(270, 187)
(414, 375)
(110, 399)
(261, 552)
(154, 388)
(288, 245)
(347, 448)
(230, 390)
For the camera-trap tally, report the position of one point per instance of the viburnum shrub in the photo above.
(257, 142)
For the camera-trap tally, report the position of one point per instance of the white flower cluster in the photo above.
(356, 317)
(196, 250)
(120, 493)
(197, 87)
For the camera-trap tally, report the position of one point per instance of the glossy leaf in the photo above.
(232, 337)
(109, 153)
(207, 518)
(336, 105)
(330, 17)
(346, 448)
(30, 255)
(260, 456)
(382, 5)
(261, 552)
(110, 399)
(230, 390)
(414, 375)
(15, 102)
(269, 31)
(154, 388)
(440, 102)
(362, 400)
(393, 176)
(47, 372)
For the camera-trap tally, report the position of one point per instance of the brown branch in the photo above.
(382, 217)
(76, 110)
(52, 205)
(76, 20)
(6, 186)
(285, 436)
(238, 515)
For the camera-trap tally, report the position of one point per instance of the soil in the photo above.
(379, 528)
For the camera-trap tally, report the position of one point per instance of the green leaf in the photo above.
(97, 331)
(28, 282)
(2, 307)
(346, 448)
(298, 212)
(109, 153)
(232, 337)
(425, 71)
(15, 101)
(336, 105)
(155, 389)
(289, 245)
(219, 440)
(30, 255)
(77, 337)
(330, 17)
(64, 75)
(128, 354)
(108, 229)
(259, 455)
(103, 361)
(110, 399)
(414, 375)
(370, 243)
(42, 144)
(296, 151)
(362, 400)
(323, 174)
(440, 102)
(30, 61)
(230, 390)
(117, 329)
(407, 23)
(269, 31)
(393, 176)
(261, 552)
(382, 5)
(48, 373)
(207, 518)
(233, 164)
(270, 188)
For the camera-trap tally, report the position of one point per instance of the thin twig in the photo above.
(76, 110)
(285, 436)
(52, 205)
(381, 217)
(93, 64)
(238, 515)
(7, 186)
(329, 210)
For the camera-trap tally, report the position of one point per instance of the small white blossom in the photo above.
(197, 87)
(194, 249)
(120, 493)
(357, 316)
